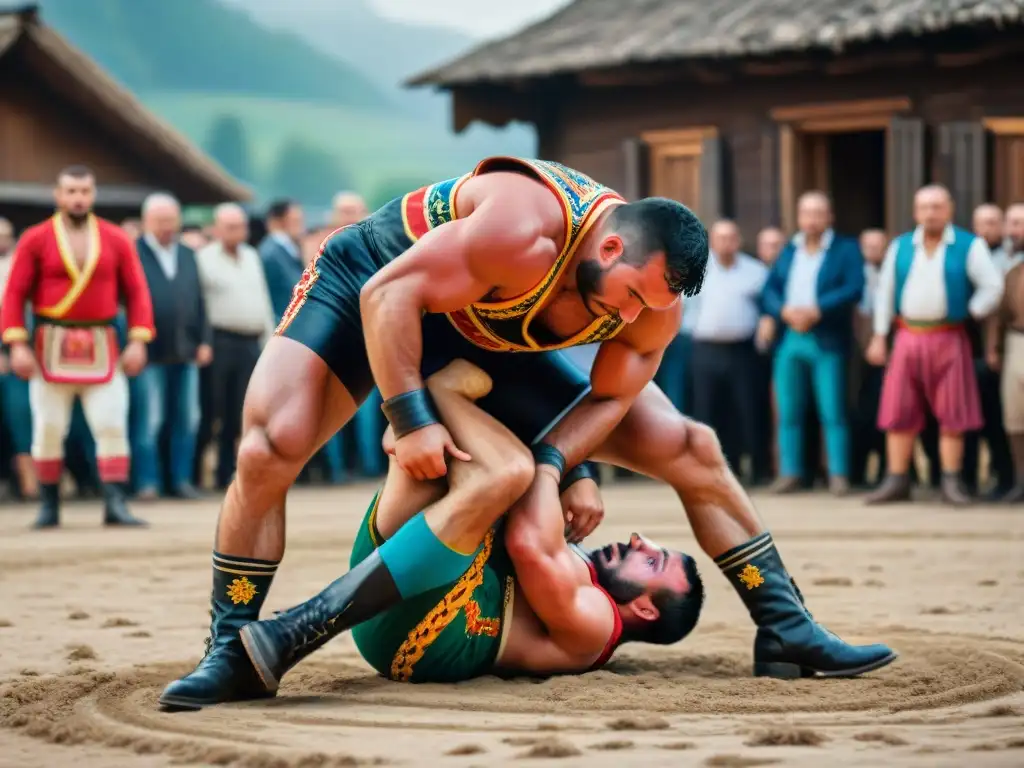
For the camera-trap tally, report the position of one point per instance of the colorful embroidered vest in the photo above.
(958, 283)
(505, 325)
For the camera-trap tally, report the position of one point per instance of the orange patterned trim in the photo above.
(477, 626)
(15, 335)
(592, 215)
(140, 333)
(440, 616)
(302, 288)
(79, 279)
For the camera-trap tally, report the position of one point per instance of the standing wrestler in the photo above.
(1011, 322)
(516, 257)
(75, 268)
(932, 279)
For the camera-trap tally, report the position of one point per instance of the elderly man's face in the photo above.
(769, 245)
(1015, 227)
(349, 209)
(813, 215)
(988, 225)
(725, 240)
(232, 228)
(873, 245)
(163, 222)
(933, 210)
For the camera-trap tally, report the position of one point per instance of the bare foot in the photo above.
(463, 378)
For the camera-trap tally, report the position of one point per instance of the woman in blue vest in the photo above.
(931, 280)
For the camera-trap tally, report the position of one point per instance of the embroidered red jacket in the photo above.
(45, 272)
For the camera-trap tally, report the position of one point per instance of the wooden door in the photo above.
(686, 165)
(1007, 160)
(803, 144)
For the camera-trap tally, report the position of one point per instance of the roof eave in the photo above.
(203, 170)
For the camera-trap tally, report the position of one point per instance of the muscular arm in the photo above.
(577, 617)
(448, 268)
(18, 292)
(622, 368)
(133, 286)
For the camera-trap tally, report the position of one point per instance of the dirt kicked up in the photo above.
(93, 624)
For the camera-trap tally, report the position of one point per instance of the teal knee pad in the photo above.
(419, 561)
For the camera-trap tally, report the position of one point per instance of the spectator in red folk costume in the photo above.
(932, 280)
(74, 268)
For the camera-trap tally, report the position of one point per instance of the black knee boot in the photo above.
(115, 507)
(240, 586)
(278, 644)
(49, 506)
(789, 643)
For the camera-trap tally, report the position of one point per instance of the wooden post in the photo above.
(637, 162)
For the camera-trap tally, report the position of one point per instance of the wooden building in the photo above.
(58, 108)
(737, 106)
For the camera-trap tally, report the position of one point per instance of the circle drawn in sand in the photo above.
(120, 710)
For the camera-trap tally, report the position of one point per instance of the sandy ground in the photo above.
(93, 623)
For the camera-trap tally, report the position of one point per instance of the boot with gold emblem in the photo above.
(240, 586)
(790, 643)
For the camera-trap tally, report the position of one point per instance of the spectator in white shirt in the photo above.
(242, 318)
(724, 359)
(933, 279)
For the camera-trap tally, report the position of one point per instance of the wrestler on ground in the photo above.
(529, 602)
(517, 256)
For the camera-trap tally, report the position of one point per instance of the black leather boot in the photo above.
(49, 506)
(240, 586)
(276, 645)
(789, 643)
(115, 507)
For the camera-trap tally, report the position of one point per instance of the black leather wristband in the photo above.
(410, 411)
(545, 453)
(579, 472)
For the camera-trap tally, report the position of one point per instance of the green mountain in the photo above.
(206, 46)
(292, 108)
(385, 51)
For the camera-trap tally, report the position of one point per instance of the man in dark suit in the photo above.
(811, 294)
(281, 252)
(167, 390)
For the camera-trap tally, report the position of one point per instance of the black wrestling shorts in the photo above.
(532, 390)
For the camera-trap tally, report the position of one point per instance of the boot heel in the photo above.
(780, 670)
(251, 641)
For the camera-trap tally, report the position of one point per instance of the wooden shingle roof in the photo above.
(98, 92)
(591, 34)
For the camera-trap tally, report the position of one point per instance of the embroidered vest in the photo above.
(958, 283)
(505, 325)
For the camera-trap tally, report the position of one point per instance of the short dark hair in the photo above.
(656, 224)
(279, 208)
(677, 612)
(75, 172)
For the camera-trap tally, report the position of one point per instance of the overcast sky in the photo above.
(480, 18)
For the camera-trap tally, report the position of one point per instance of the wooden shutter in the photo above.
(637, 164)
(1008, 159)
(962, 166)
(710, 207)
(686, 165)
(769, 190)
(904, 172)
